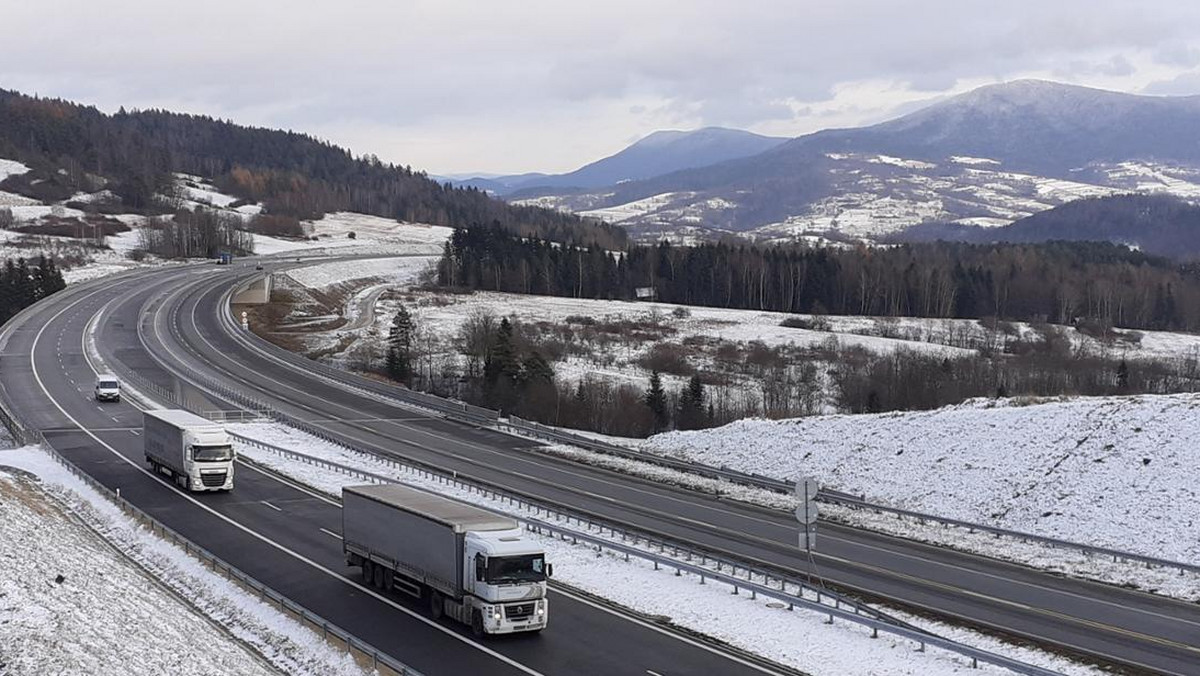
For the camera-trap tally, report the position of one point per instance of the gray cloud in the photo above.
(458, 86)
(1184, 84)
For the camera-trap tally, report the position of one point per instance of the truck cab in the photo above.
(108, 387)
(502, 567)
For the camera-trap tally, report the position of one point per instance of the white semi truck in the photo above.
(467, 563)
(196, 452)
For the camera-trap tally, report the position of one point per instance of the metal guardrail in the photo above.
(537, 430)
(858, 612)
(364, 653)
(1087, 550)
(833, 497)
(682, 559)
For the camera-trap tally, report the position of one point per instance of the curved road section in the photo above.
(283, 534)
(1100, 622)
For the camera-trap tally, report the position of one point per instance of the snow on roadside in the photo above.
(1074, 563)
(103, 597)
(68, 603)
(402, 270)
(1117, 472)
(840, 648)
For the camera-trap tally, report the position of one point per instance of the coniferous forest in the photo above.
(24, 282)
(292, 174)
(1058, 282)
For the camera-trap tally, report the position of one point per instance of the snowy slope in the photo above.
(90, 623)
(839, 648)
(86, 623)
(1117, 472)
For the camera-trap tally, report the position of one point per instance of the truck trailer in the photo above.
(467, 563)
(196, 452)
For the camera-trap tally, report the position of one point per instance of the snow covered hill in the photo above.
(1118, 472)
(987, 157)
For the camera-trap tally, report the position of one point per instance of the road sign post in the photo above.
(807, 512)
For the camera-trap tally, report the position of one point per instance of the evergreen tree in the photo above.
(536, 370)
(400, 340)
(656, 400)
(690, 415)
(501, 362)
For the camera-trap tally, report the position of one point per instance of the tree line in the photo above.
(24, 282)
(1059, 282)
(133, 153)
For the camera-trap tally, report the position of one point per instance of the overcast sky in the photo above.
(508, 87)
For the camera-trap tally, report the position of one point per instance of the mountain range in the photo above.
(984, 158)
(659, 153)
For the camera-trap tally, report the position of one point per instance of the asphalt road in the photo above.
(1111, 624)
(180, 324)
(277, 532)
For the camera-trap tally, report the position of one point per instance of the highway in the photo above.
(279, 533)
(177, 311)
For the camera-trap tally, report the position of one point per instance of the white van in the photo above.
(108, 388)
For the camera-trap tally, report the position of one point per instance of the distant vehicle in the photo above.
(197, 453)
(468, 563)
(108, 387)
(224, 259)
(258, 267)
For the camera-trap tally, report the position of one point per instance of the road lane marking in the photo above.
(687, 521)
(331, 533)
(920, 581)
(271, 506)
(251, 532)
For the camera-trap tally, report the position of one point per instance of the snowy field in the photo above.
(840, 649)
(1117, 472)
(86, 623)
(384, 270)
(443, 315)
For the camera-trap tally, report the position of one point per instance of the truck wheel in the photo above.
(367, 570)
(477, 623)
(436, 605)
(377, 576)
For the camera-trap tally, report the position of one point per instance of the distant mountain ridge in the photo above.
(1156, 224)
(662, 152)
(989, 156)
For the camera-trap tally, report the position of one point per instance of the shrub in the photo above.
(667, 358)
(681, 313)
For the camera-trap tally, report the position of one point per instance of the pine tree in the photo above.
(656, 401)
(535, 369)
(690, 415)
(400, 339)
(502, 360)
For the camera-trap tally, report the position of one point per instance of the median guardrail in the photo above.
(479, 416)
(364, 653)
(683, 559)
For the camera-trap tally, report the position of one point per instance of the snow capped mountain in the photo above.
(987, 157)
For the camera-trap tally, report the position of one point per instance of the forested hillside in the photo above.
(1157, 224)
(75, 148)
(1060, 282)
